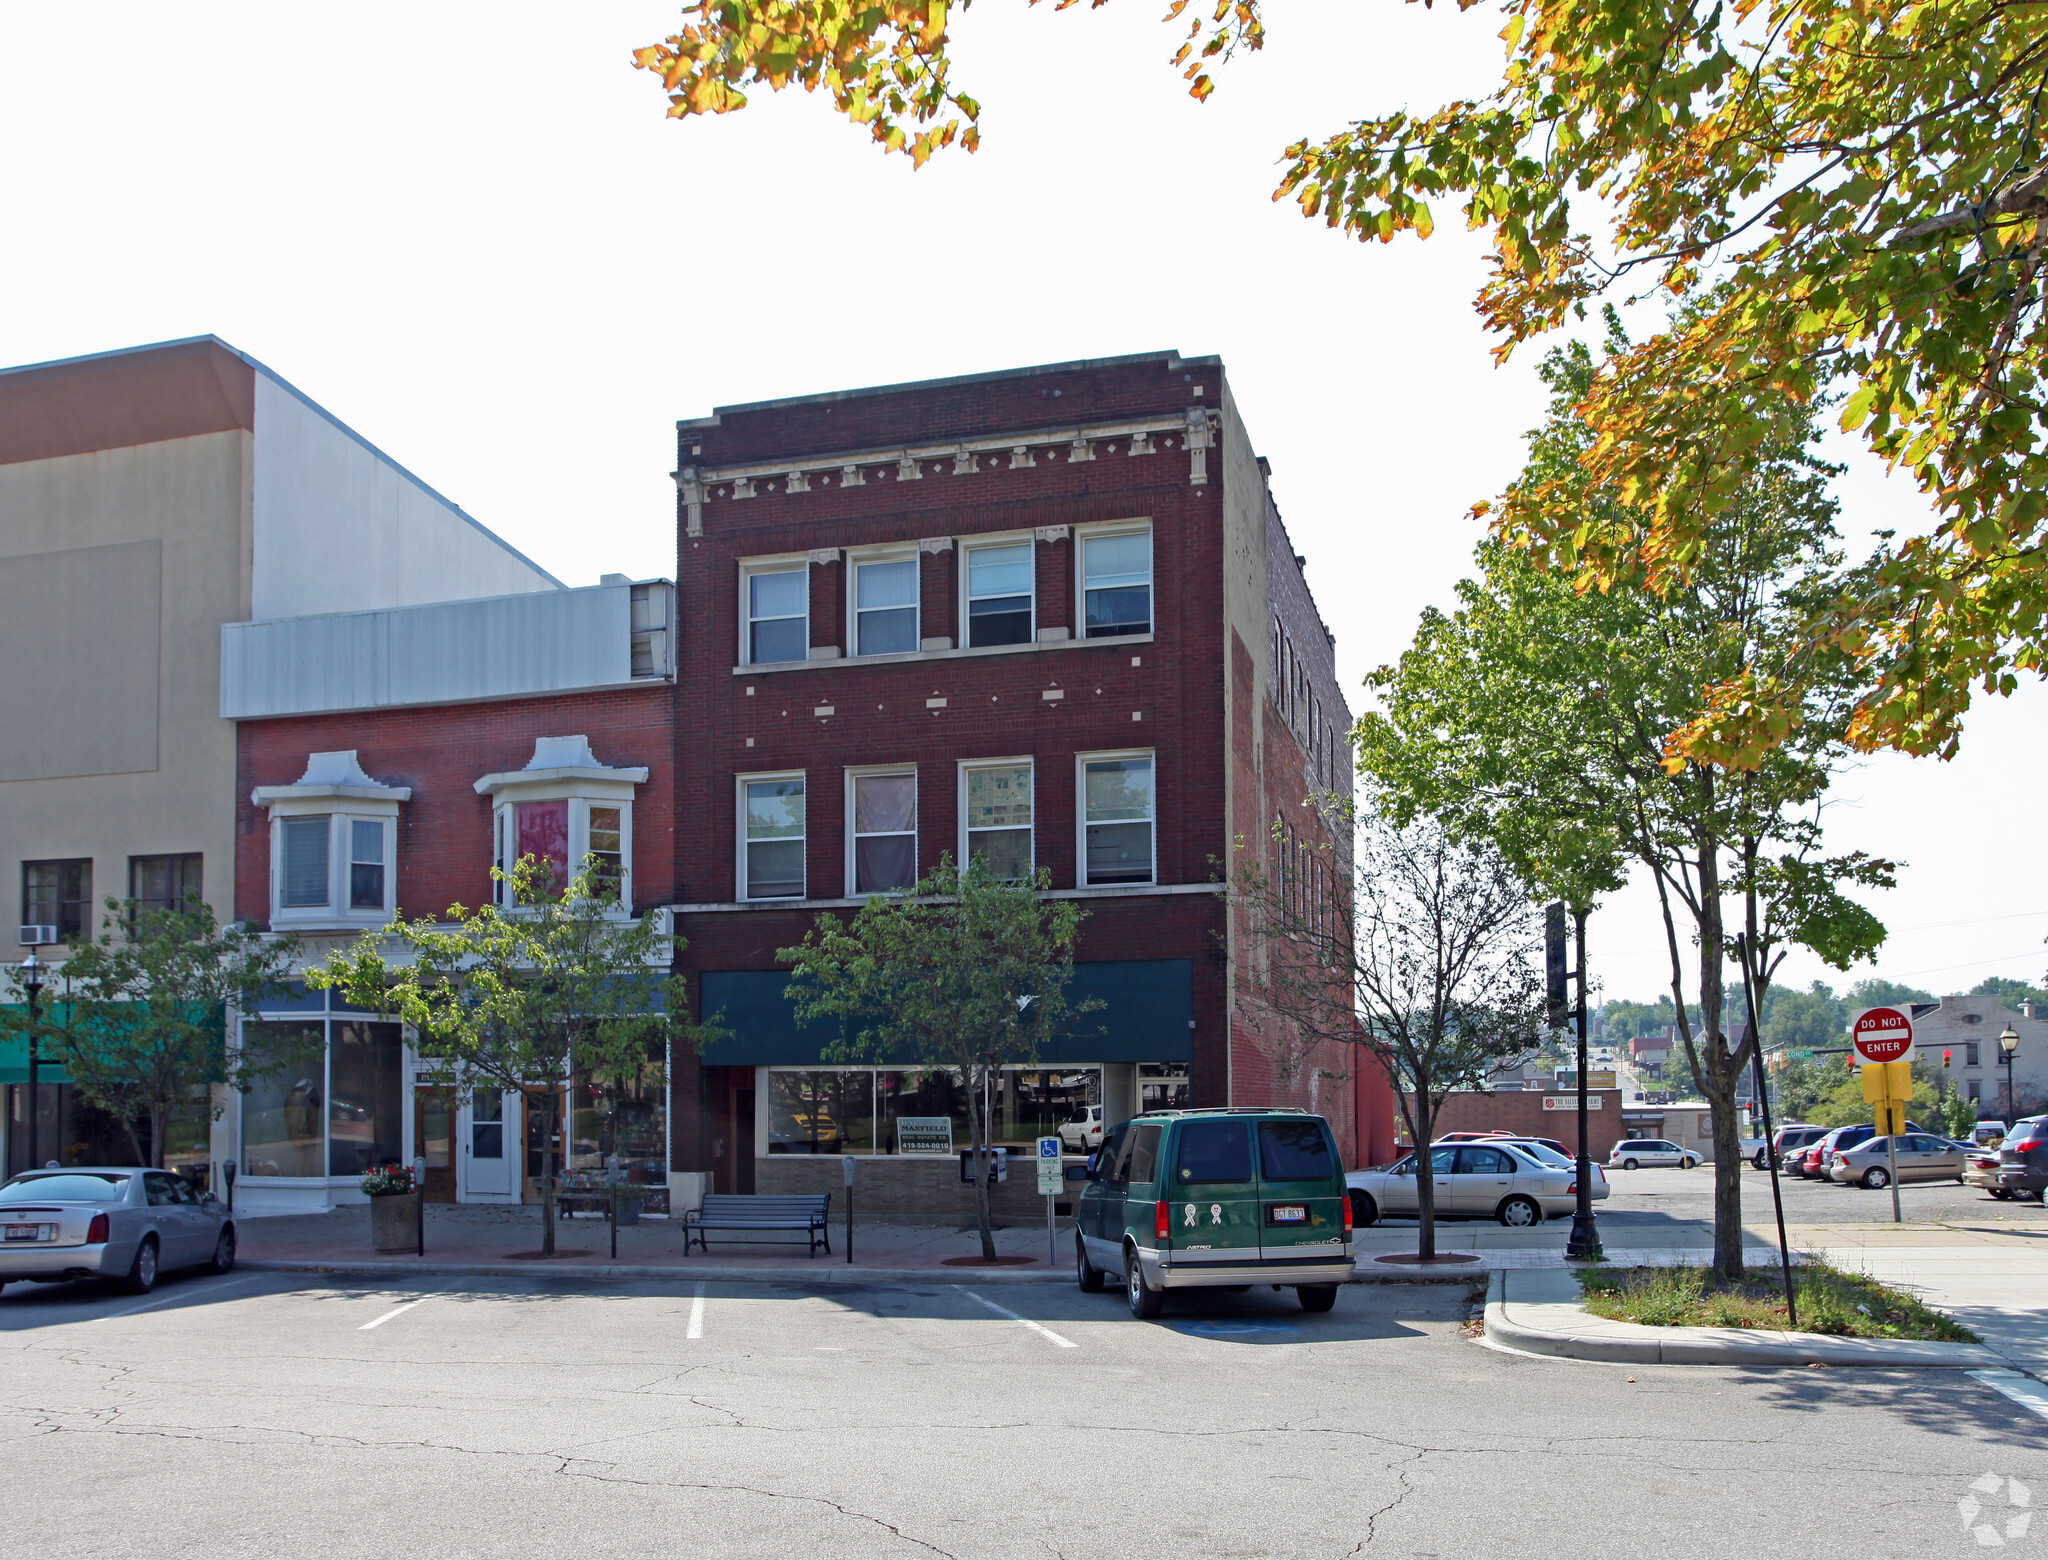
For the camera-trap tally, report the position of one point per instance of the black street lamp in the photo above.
(2009, 1042)
(31, 976)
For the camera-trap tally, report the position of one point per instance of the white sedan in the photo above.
(1520, 1183)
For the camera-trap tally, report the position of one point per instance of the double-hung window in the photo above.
(166, 882)
(772, 837)
(999, 594)
(1118, 816)
(59, 894)
(884, 833)
(776, 602)
(885, 606)
(1116, 583)
(996, 815)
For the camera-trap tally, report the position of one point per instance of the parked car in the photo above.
(1215, 1199)
(1821, 1158)
(1635, 1153)
(1517, 1181)
(1921, 1157)
(1793, 1135)
(2023, 1159)
(1083, 1135)
(1980, 1169)
(1988, 1133)
(109, 1222)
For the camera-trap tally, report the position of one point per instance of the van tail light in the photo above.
(98, 1232)
(1347, 1213)
(1159, 1226)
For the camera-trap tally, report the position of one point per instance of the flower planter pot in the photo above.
(629, 1210)
(394, 1222)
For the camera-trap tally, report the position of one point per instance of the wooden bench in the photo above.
(803, 1213)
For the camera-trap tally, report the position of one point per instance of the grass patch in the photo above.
(1831, 1301)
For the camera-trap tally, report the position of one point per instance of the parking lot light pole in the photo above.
(31, 978)
(2008, 1042)
(1584, 1244)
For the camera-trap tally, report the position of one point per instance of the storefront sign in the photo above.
(1570, 1102)
(924, 1135)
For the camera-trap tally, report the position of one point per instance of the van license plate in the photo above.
(1287, 1213)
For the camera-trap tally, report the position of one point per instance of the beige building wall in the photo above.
(117, 568)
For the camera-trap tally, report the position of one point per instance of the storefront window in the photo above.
(1031, 1104)
(933, 1091)
(628, 1118)
(828, 1111)
(1163, 1086)
(364, 1099)
(284, 1109)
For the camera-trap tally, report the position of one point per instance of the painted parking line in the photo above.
(380, 1321)
(696, 1327)
(1022, 1321)
(172, 1299)
(2023, 1390)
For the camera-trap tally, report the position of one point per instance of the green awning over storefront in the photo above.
(1148, 1005)
(14, 1063)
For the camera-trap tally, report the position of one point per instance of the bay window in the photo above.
(571, 814)
(333, 845)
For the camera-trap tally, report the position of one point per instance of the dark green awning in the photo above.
(1148, 1005)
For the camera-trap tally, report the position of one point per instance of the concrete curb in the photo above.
(1569, 1332)
(784, 1273)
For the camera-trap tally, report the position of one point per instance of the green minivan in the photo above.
(1216, 1199)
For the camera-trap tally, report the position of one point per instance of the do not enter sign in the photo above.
(1883, 1034)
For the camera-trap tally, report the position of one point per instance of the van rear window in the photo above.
(1295, 1151)
(1214, 1151)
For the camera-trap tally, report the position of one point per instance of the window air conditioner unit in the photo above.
(38, 936)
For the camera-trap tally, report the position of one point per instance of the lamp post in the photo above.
(31, 977)
(2008, 1042)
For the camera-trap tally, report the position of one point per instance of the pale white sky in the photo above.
(469, 231)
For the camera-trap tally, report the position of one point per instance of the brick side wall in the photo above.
(1510, 1111)
(440, 751)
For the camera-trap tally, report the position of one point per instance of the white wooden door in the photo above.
(490, 1138)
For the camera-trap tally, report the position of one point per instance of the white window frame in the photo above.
(855, 561)
(1081, 763)
(1083, 534)
(868, 771)
(742, 887)
(965, 546)
(786, 563)
(505, 832)
(966, 835)
(336, 788)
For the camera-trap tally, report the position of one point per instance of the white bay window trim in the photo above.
(564, 770)
(334, 820)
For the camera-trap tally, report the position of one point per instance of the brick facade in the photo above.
(1523, 1112)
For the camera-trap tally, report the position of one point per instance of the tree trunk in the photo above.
(1425, 1206)
(550, 1130)
(977, 1136)
(157, 1118)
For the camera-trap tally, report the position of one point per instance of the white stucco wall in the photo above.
(340, 527)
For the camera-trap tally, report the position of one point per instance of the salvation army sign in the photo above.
(1882, 1034)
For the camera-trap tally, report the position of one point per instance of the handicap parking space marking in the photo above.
(1022, 1321)
(1238, 1327)
(2023, 1390)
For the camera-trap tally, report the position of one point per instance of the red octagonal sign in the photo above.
(1883, 1034)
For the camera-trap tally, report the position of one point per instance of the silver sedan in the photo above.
(1920, 1158)
(119, 1223)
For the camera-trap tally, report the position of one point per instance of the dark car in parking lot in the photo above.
(2023, 1159)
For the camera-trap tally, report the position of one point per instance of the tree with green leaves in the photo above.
(140, 1029)
(1420, 957)
(555, 988)
(1872, 992)
(2009, 991)
(964, 971)
(1853, 194)
(1535, 714)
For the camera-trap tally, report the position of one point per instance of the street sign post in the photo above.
(1883, 1038)
(1052, 1177)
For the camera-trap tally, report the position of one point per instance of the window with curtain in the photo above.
(542, 831)
(884, 832)
(303, 876)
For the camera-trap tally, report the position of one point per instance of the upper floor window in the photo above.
(1117, 804)
(1116, 583)
(58, 894)
(999, 594)
(772, 837)
(885, 606)
(165, 882)
(778, 614)
(333, 845)
(884, 833)
(996, 817)
(569, 812)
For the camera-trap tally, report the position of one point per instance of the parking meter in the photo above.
(227, 1173)
(419, 1203)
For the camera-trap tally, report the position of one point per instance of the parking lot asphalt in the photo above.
(271, 1415)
